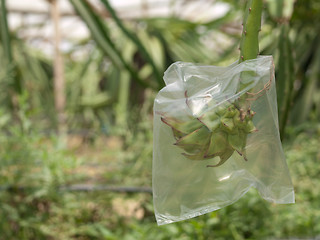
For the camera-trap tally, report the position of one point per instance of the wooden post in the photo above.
(144, 8)
(59, 81)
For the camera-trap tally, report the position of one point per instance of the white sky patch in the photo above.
(32, 17)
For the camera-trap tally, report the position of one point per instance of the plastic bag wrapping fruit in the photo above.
(215, 136)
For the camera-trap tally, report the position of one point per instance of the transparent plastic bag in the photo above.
(215, 136)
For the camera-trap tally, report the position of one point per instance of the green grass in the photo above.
(42, 211)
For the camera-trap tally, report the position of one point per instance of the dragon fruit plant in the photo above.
(224, 130)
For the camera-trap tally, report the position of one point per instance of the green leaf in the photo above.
(100, 34)
(145, 54)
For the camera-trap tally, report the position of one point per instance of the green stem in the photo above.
(286, 76)
(249, 45)
(5, 33)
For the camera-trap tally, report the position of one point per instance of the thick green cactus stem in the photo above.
(249, 45)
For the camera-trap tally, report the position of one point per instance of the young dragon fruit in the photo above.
(215, 134)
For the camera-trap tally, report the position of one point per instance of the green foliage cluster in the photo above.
(34, 206)
(124, 58)
(294, 42)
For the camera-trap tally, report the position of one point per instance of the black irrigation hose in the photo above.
(120, 189)
(88, 188)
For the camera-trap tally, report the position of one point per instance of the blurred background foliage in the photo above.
(109, 97)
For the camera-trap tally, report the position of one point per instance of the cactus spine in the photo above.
(249, 45)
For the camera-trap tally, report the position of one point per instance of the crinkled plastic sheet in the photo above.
(184, 188)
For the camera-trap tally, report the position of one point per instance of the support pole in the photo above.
(59, 81)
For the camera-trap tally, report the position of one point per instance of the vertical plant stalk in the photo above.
(7, 49)
(59, 81)
(286, 77)
(123, 102)
(5, 33)
(249, 44)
